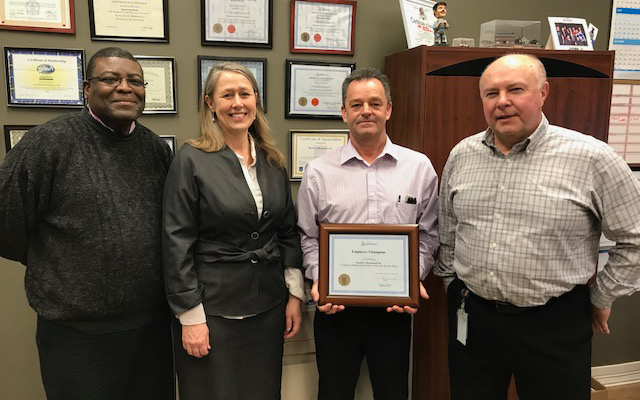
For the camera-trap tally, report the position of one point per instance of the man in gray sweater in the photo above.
(81, 207)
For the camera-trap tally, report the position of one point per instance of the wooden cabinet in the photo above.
(436, 103)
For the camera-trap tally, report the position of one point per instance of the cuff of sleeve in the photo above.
(599, 299)
(193, 316)
(295, 283)
(312, 273)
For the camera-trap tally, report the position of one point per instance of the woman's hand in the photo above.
(195, 340)
(293, 317)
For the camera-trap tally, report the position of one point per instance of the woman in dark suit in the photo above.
(231, 248)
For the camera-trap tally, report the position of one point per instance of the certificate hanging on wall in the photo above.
(307, 145)
(245, 23)
(13, 134)
(369, 265)
(323, 26)
(314, 89)
(140, 20)
(44, 77)
(257, 66)
(55, 16)
(160, 92)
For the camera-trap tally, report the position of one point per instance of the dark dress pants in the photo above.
(130, 365)
(547, 348)
(344, 338)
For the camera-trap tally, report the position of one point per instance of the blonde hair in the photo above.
(211, 137)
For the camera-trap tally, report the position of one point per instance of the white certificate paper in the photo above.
(46, 79)
(237, 21)
(418, 19)
(43, 12)
(368, 265)
(136, 19)
(308, 146)
(323, 26)
(316, 89)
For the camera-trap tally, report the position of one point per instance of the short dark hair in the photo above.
(440, 3)
(108, 52)
(366, 74)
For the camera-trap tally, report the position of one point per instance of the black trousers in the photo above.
(547, 349)
(344, 338)
(244, 363)
(134, 364)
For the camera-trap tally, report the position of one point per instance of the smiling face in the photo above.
(441, 11)
(116, 106)
(512, 99)
(233, 102)
(366, 111)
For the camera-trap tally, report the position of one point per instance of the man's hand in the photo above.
(599, 319)
(327, 308)
(293, 317)
(407, 309)
(195, 340)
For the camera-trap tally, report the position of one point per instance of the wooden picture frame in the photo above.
(358, 265)
(30, 16)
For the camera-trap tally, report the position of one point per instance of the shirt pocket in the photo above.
(405, 213)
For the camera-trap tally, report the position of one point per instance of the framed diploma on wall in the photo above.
(309, 144)
(13, 134)
(55, 16)
(244, 23)
(44, 77)
(140, 20)
(314, 89)
(171, 142)
(369, 265)
(323, 26)
(257, 66)
(160, 75)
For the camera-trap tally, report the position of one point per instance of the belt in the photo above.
(504, 307)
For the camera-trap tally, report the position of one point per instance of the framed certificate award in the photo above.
(55, 16)
(244, 23)
(44, 77)
(171, 142)
(314, 89)
(323, 26)
(309, 144)
(13, 134)
(257, 66)
(369, 265)
(160, 75)
(140, 20)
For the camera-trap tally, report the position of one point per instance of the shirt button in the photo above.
(508, 160)
(503, 187)
(255, 235)
(491, 273)
(494, 245)
(498, 216)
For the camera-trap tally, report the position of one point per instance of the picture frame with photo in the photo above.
(569, 34)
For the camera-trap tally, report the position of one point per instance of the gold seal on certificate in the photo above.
(369, 265)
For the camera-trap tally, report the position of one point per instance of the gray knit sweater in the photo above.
(80, 206)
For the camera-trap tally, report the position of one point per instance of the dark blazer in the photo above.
(215, 250)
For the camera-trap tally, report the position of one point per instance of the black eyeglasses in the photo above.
(114, 81)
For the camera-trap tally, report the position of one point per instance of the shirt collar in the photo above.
(527, 145)
(131, 128)
(253, 152)
(349, 152)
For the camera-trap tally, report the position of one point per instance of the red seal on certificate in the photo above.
(231, 29)
(315, 101)
(317, 37)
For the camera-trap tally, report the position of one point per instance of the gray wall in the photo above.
(379, 32)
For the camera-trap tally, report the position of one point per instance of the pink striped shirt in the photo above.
(341, 187)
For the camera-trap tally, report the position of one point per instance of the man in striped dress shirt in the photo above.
(369, 181)
(522, 207)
